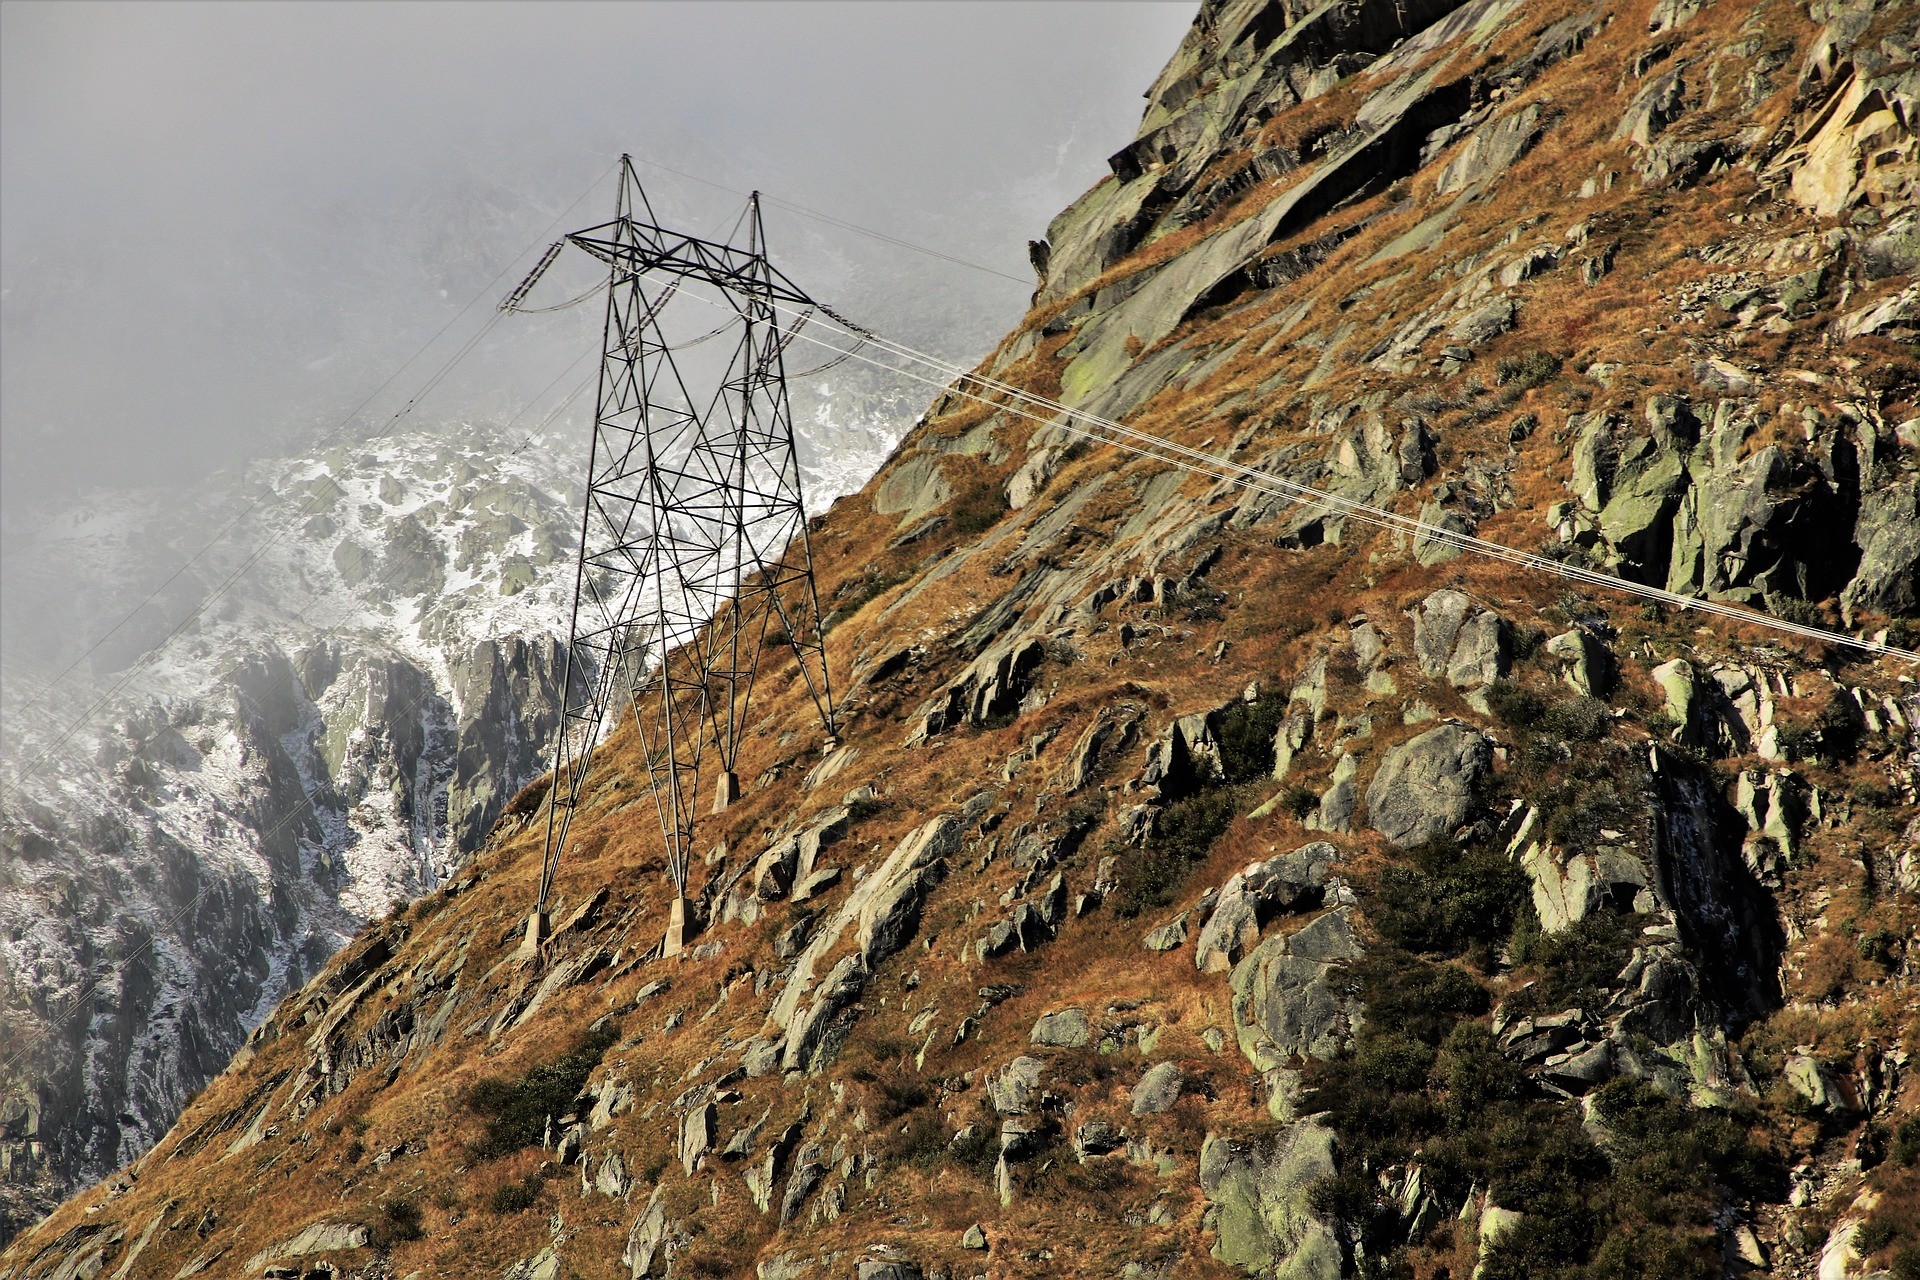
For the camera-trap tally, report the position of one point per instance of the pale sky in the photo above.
(221, 222)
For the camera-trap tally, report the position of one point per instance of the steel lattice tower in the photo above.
(693, 551)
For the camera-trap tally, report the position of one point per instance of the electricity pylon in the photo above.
(693, 554)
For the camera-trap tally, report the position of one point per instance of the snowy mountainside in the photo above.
(330, 736)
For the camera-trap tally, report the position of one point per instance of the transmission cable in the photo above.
(1198, 462)
(842, 223)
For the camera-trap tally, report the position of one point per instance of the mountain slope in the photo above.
(1208, 883)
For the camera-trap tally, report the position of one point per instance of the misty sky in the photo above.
(219, 223)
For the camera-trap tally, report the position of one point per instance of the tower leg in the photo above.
(676, 928)
(535, 935)
(726, 790)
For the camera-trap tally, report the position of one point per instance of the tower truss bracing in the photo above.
(694, 560)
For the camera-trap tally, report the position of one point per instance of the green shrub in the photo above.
(1580, 963)
(1798, 741)
(921, 1141)
(977, 1149)
(515, 1197)
(1245, 732)
(1580, 719)
(1906, 1142)
(1839, 729)
(1343, 1197)
(1418, 999)
(1906, 1263)
(1516, 706)
(1182, 838)
(399, 1221)
(1299, 800)
(977, 508)
(1875, 1234)
(1529, 369)
(1449, 899)
(516, 1111)
(1639, 1202)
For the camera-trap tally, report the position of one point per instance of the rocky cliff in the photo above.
(1208, 883)
(337, 736)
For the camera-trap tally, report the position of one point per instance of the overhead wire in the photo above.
(843, 224)
(1108, 431)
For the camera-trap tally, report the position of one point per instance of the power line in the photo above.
(1198, 462)
(843, 224)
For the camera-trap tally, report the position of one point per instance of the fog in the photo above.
(222, 226)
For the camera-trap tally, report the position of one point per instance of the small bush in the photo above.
(1527, 370)
(1793, 609)
(1840, 729)
(1906, 1142)
(399, 1221)
(1579, 719)
(977, 508)
(1245, 732)
(1299, 800)
(1343, 1197)
(1418, 999)
(1798, 741)
(977, 1149)
(1581, 963)
(1182, 838)
(516, 1111)
(1875, 1234)
(1449, 898)
(515, 1197)
(921, 1141)
(1516, 707)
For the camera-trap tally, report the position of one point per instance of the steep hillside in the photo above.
(1209, 884)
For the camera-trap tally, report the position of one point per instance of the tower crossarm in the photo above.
(642, 247)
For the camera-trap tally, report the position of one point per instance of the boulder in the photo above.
(1340, 799)
(1255, 895)
(1818, 1085)
(1484, 323)
(1491, 151)
(1063, 1029)
(1585, 661)
(1426, 787)
(612, 1178)
(870, 1269)
(544, 1265)
(1637, 519)
(1452, 638)
(696, 1136)
(1158, 1089)
(647, 1239)
(912, 487)
(1167, 936)
(321, 1237)
(1888, 535)
(1261, 1213)
(1015, 1089)
(1288, 997)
